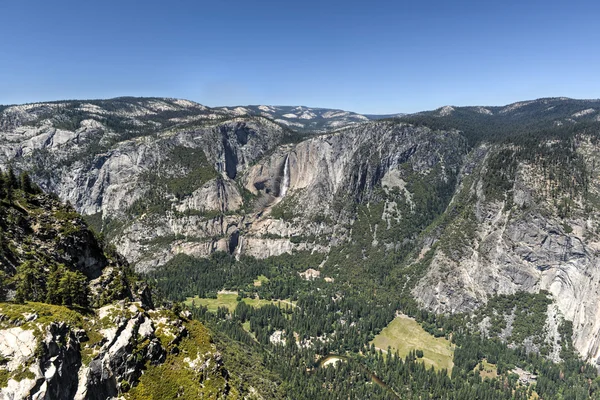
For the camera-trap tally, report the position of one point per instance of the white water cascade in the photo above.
(285, 183)
(238, 250)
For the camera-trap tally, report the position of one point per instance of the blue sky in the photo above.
(369, 57)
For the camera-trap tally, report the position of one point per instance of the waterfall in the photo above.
(285, 183)
(238, 250)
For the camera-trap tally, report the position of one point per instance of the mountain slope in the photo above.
(81, 326)
(522, 223)
(535, 117)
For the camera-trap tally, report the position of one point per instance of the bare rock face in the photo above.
(518, 242)
(114, 362)
(326, 173)
(216, 195)
(45, 369)
(353, 161)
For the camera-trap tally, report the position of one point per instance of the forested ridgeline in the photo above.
(48, 253)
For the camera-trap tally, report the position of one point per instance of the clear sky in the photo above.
(365, 56)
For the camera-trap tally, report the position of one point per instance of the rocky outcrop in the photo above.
(111, 340)
(99, 356)
(128, 345)
(216, 195)
(45, 368)
(39, 222)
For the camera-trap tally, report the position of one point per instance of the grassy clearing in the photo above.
(15, 315)
(489, 370)
(230, 301)
(404, 334)
(223, 300)
(260, 280)
(246, 326)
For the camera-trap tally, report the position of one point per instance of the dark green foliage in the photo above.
(185, 276)
(528, 311)
(540, 119)
(371, 374)
(351, 311)
(33, 282)
(3, 285)
(3, 186)
(536, 133)
(500, 174)
(11, 178)
(118, 286)
(73, 289)
(30, 282)
(186, 171)
(27, 185)
(66, 287)
(53, 284)
(572, 379)
(196, 171)
(94, 221)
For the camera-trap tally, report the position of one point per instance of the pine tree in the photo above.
(13, 182)
(53, 284)
(3, 288)
(73, 289)
(26, 184)
(30, 282)
(2, 186)
(9, 193)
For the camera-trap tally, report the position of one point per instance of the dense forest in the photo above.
(311, 320)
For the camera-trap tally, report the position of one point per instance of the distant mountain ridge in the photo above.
(524, 117)
(305, 118)
(149, 113)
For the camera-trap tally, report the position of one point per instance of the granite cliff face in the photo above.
(185, 175)
(212, 186)
(538, 231)
(325, 177)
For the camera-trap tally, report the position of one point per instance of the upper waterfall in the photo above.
(285, 183)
